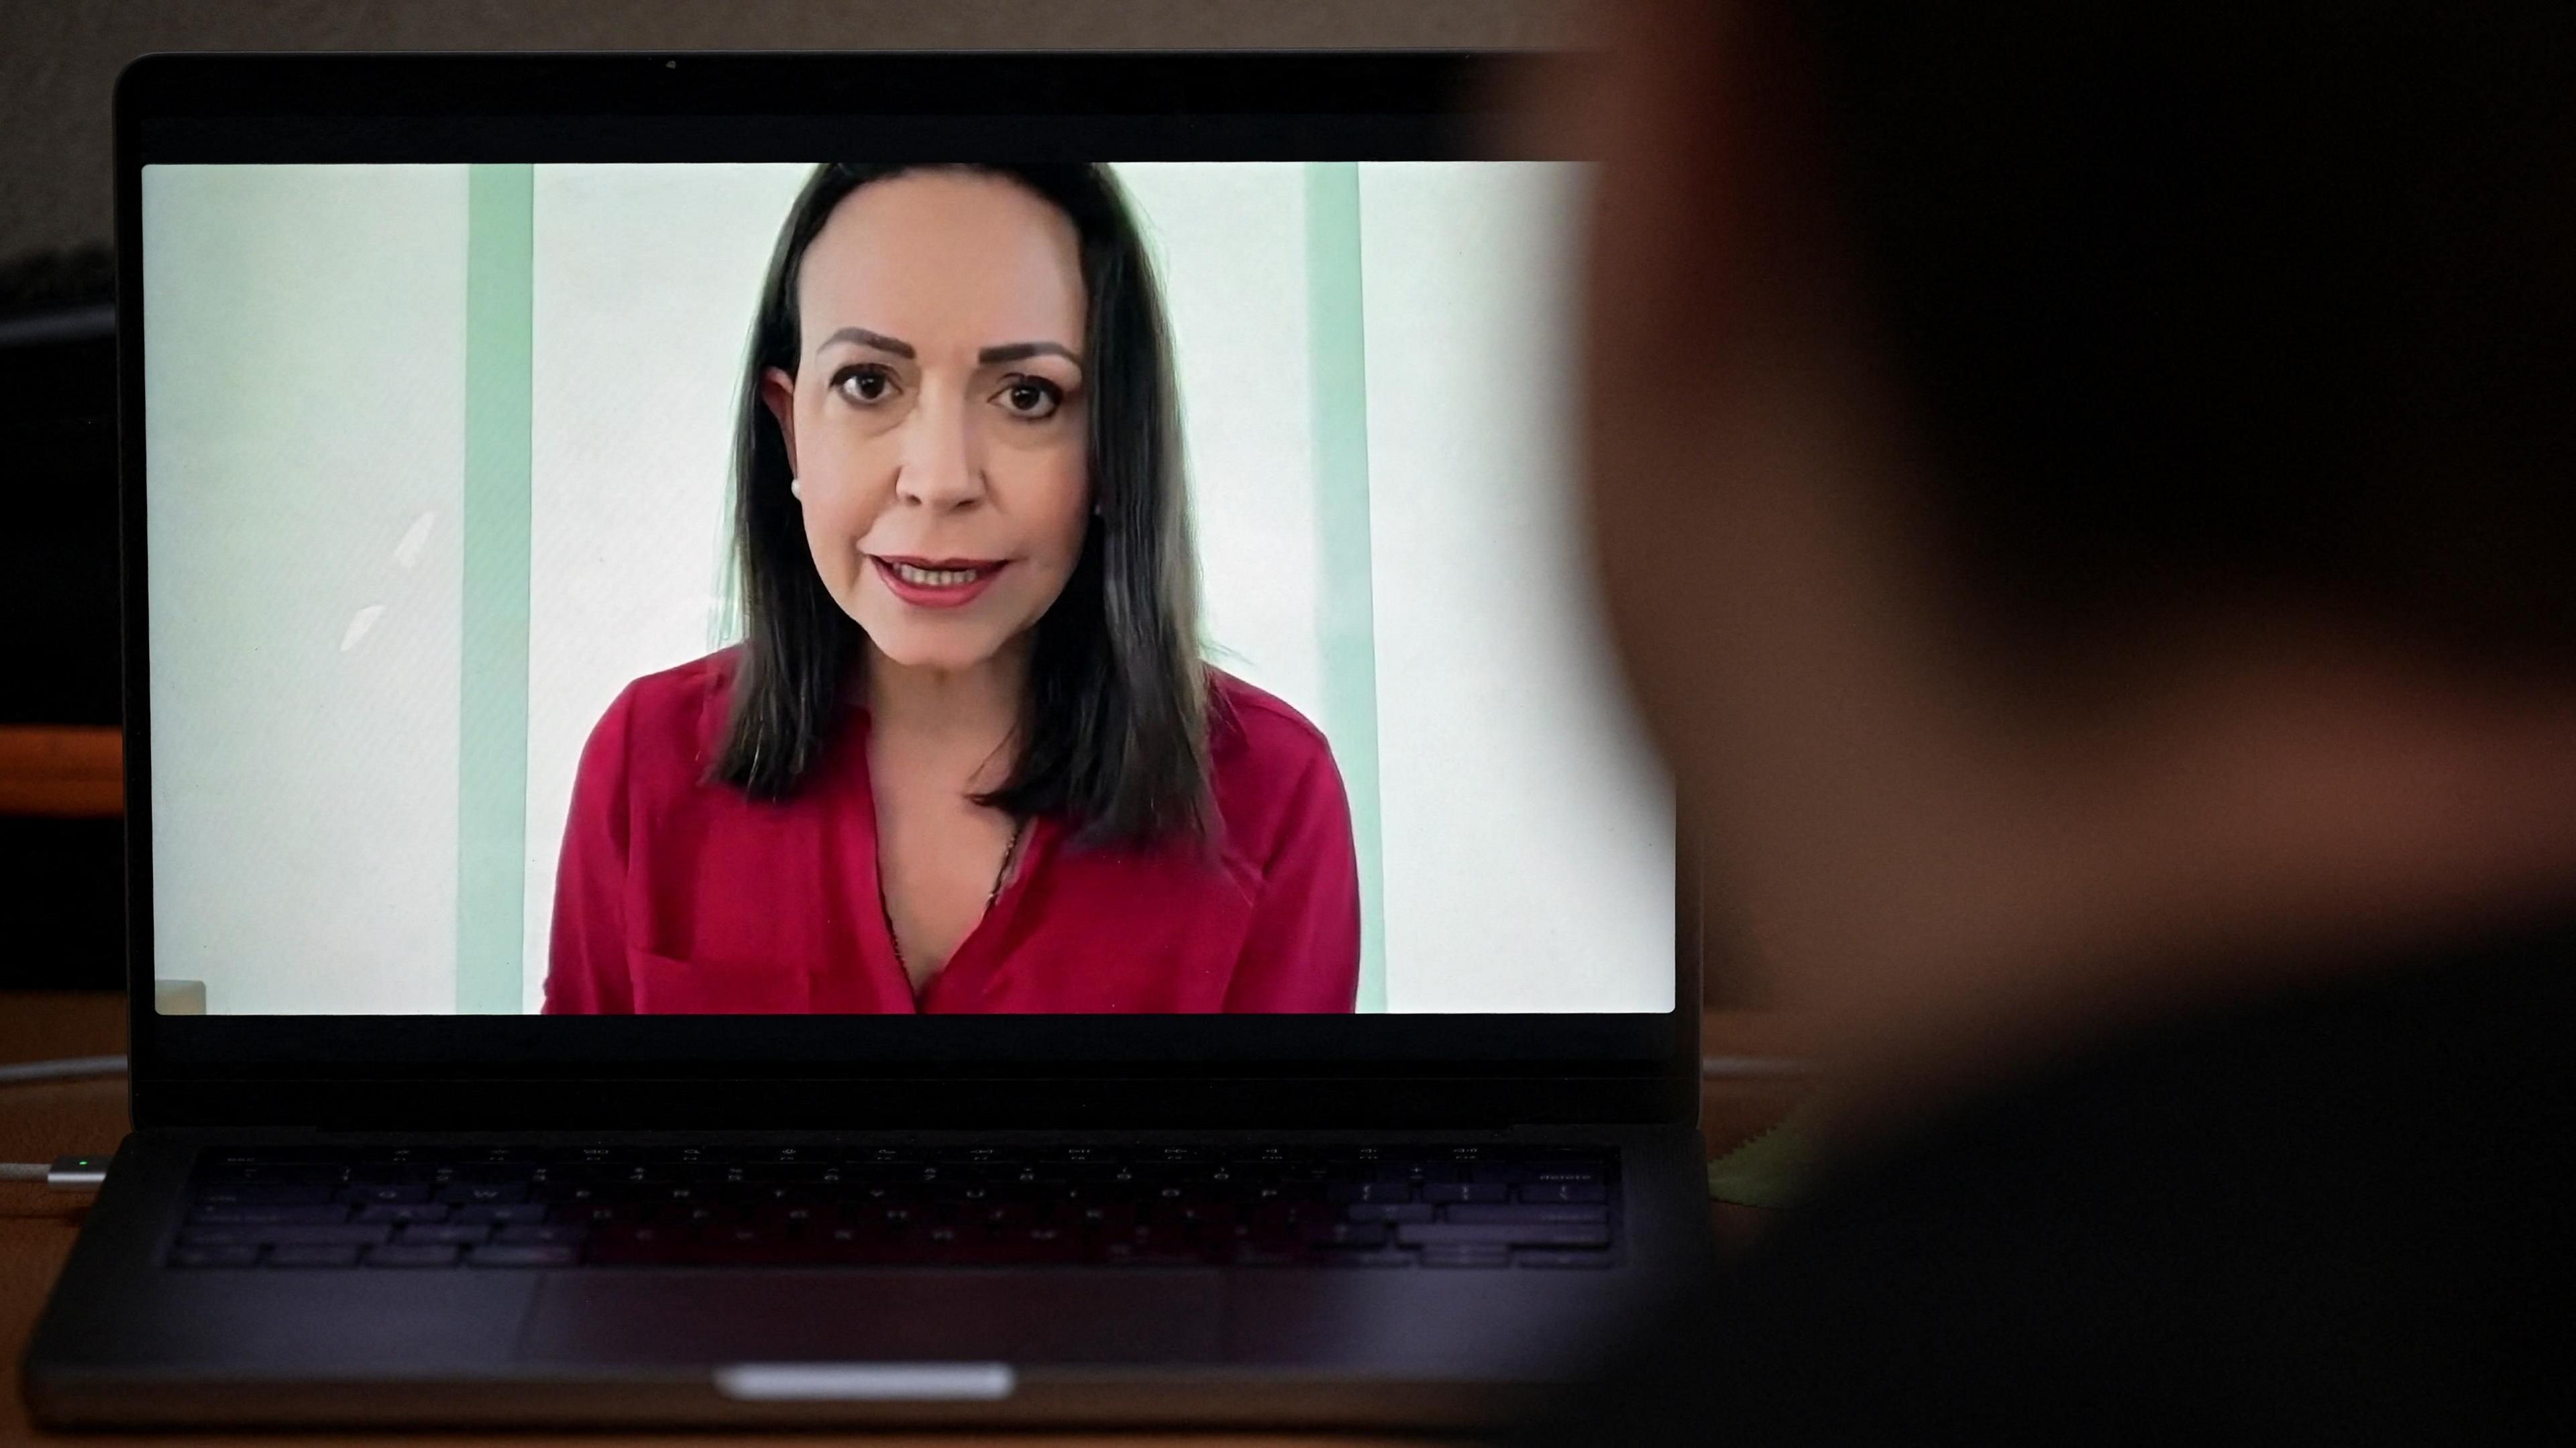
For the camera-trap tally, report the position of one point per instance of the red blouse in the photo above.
(676, 896)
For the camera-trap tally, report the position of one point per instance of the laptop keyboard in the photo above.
(421, 1207)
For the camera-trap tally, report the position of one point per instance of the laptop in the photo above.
(867, 739)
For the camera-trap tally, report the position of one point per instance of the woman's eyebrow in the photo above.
(865, 338)
(1023, 351)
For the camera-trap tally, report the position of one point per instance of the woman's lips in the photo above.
(937, 582)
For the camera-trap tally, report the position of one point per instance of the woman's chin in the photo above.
(909, 648)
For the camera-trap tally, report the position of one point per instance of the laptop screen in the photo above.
(782, 588)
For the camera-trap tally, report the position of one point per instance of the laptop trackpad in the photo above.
(755, 1316)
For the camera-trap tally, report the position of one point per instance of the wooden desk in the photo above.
(40, 1122)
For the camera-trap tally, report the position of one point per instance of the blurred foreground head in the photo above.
(2082, 491)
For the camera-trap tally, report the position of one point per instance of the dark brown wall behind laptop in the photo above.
(59, 58)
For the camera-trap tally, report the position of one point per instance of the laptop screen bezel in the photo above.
(1170, 106)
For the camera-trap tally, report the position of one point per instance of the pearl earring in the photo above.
(795, 489)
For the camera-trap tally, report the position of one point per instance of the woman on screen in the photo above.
(967, 758)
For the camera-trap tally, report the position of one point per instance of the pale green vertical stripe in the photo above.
(1337, 346)
(492, 695)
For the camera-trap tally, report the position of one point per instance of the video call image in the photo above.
(858, 589)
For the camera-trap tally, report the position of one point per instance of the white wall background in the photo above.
(305, 431)
(1529, 832)
(1528, 844)
(1229, 242)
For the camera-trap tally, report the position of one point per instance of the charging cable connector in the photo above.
(65, 1174)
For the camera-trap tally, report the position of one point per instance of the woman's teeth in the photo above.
(936, 577)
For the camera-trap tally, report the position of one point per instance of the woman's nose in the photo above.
(940, 468)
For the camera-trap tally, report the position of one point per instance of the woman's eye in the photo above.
(1031, 398)
(864, 385)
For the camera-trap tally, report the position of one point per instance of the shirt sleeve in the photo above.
(586, 972)
(1303, 952)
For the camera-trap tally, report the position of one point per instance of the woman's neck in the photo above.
(974, 708)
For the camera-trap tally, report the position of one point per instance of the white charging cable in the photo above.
(63, 1174)
(68, 1068)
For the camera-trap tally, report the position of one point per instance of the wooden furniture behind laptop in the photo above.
(62, 771)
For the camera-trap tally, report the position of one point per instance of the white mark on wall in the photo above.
(364, 620)
(415, 539)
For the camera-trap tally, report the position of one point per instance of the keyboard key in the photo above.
(1048, 1242)
(1564, 1192)
(514, 1255)
(715, 1179)
(423, 1255)
(312, 1256)
(392, 1174)
(308, 1234)
(386, 1194)
(1565, 1171)
(484, 1194)
(694, 1214)
(295, 1174)
(503, 1215)
(1466, 1192)
(1365, 1259)
(557, 1235)
(241, 1216)
(196, 1236)
(425, 1235)
(634, 1245)
(254, 1156)
(1552, 1258)
(1467, 1254)
(1369, 1192)
(793, 1217)
(1388, 1212)
(1442, 1234)
(266, 1194)
(1351, 1234)
(1418, 1172)
(1374, 1154)
(1567, 1215)
(214, 1256)
(1137, 1254)
(405, 1212)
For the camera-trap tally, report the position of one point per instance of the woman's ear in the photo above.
(778, 394)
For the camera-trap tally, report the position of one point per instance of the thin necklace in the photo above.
(1001, 877)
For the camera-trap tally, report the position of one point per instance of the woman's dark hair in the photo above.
(1114, 738)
